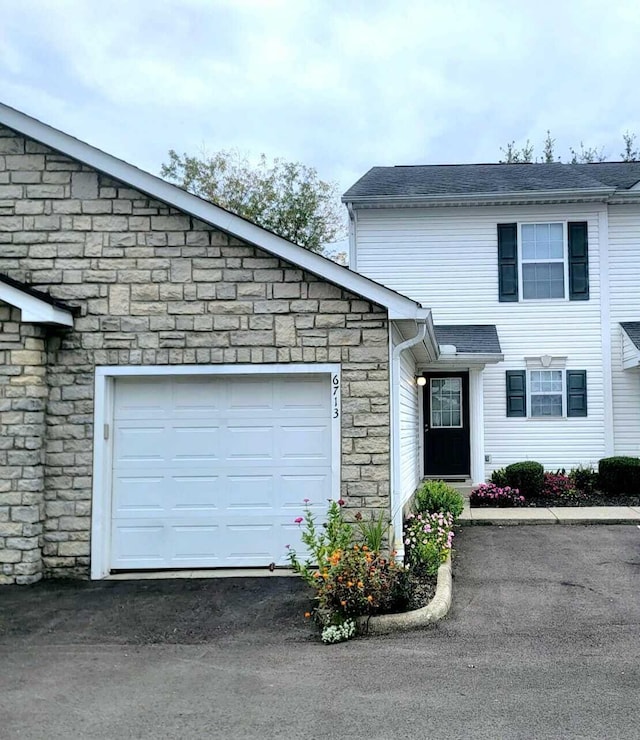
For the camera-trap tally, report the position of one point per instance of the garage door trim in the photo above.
(103, 438)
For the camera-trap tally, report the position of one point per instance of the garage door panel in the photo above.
(195, 443)
(188, 495)
(219, 481)
(148, 400)
(308, 397)
(300, 442)
(295, 487)
(193, 544)
(139, 543)
(137, 445)
(250, 443)
(250, 396)
(138, 496)
(250, 491)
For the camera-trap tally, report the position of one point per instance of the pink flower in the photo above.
(306, 500)
(298, 520)
(286, 547)
(340, 502)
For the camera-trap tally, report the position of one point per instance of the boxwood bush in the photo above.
(618, 475)
(436, 495)
(527, 477)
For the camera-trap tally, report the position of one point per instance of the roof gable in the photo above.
(397, 305)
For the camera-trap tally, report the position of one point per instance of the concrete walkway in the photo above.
(552, 515)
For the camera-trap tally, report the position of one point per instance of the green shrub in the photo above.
(499, 477)
(527, 477)
(584, 479)
(436, 495)
(618, 475)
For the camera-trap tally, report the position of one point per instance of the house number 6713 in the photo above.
(335, 396)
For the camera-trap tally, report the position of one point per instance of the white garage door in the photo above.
(211, 471)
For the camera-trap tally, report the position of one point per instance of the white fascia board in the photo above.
(463, 361)
(399, 306)
(32, 309)
(494, 198)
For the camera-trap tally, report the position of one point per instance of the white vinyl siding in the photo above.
(624, 278)
(410, 449)
(446, 258)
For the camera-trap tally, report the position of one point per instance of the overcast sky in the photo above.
(340, 85)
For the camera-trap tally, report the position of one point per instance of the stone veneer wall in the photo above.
(23, 395)
(157, 287)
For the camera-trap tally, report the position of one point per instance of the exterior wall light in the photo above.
(421, 380)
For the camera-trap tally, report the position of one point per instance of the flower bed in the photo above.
(353, 577)
(581, 486)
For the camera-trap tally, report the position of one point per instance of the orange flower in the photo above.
(364, 548)
(307, 615)
(343, 602)
(339, 579)
(360, 584)
(316, 575)
(369, 598)
(349, 584)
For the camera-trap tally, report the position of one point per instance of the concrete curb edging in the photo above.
(437, 608)
(551, 515)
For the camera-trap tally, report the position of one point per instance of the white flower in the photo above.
(339, 632)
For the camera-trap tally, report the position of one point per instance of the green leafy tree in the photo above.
(549, 147)
(512, 154)
(629, 154)
(288, 198)
(587, 155)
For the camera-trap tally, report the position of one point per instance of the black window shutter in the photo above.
(576, 392)
(508, 262)
(516, 393)
(578, 261)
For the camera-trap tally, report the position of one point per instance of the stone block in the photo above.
(31, 162)
(10, 556)
(344, 337)
(73, 549)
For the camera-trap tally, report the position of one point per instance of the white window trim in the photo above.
(563, 372)
(565, 248)
(105, 377)
(457, 426)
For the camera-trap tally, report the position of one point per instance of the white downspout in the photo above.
(353, 222)
(396, 491)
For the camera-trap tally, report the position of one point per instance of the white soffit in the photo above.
(34, 310)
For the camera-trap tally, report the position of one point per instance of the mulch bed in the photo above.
(578, 499)
(585, 499)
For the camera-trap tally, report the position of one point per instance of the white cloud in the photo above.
(341, 86)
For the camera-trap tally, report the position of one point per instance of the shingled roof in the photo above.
(469, 179)
(632, 328)
(470, 338)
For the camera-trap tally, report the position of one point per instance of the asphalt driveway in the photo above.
(542, 642)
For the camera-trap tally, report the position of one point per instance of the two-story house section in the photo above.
(532, 273)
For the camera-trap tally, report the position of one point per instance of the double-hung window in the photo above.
(546, 392)
(543, 261)
(543, 393)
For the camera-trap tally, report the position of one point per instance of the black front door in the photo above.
(446, 424)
